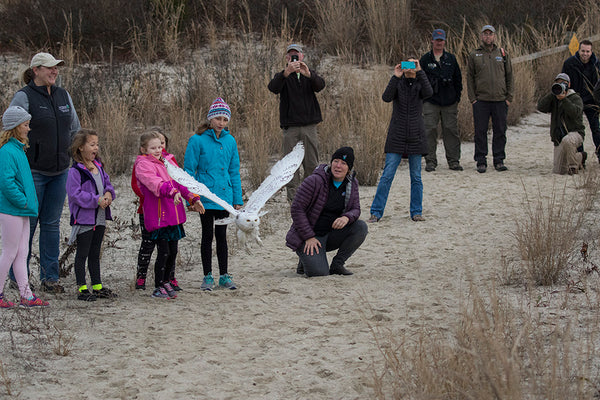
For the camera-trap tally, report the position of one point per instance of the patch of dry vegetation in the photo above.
(497, 350)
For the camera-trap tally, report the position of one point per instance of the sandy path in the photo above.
(282, 336)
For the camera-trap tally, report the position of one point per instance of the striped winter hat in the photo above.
(219, 109)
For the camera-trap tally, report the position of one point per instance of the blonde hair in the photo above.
(79, 140)
(147, 137)
(12, 133)
(160, 130)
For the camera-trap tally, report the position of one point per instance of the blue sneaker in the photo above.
(208, 283)
(226, 282)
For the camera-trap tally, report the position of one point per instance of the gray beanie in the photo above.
(13, 117)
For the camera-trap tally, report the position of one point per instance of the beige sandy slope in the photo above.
(282, 336)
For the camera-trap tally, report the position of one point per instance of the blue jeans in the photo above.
(51, 192)
(392, 160)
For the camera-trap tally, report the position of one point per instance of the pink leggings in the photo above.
(15, 246)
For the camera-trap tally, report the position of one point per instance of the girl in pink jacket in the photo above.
(164, 212)
(147, 245)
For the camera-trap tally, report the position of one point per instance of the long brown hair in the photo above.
(79, 140)
(28, 75)
(205, 125)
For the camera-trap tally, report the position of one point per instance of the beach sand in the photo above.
(281, 335)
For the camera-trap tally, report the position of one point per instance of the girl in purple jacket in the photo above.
(90, 196)
(164, 212)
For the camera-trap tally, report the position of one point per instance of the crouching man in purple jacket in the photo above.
(325, 215)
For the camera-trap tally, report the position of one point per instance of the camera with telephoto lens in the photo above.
(559, 88)
(294, 57)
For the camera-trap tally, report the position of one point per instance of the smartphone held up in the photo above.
(408, 65)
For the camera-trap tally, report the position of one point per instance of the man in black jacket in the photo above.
(445, 77)
(299, 110)
(584, 69)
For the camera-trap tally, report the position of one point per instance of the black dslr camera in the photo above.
(559, 88)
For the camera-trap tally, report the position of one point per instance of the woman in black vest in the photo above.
(54, 121)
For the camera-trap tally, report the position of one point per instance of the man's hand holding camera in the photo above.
(295, 65)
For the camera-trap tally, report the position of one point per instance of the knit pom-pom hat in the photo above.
(219, 109)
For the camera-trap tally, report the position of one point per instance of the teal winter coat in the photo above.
(215, 162)
(17, 190)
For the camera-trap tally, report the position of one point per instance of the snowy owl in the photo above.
(247, 218)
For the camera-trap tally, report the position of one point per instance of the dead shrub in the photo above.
(495, 351)
(355, 115)
(546, 235)
(5, 379)
(338, 29)
(117, 141)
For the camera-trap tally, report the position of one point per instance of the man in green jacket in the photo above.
(566, 125)
(490, 88)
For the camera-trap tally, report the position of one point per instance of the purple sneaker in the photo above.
(170, 290)
(160, 293)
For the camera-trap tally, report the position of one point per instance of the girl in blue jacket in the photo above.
(212, 158)
(90, 196)
(18, 202)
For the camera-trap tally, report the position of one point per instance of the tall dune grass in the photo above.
(238, 65)
(496, 350)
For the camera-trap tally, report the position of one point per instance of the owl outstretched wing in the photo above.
(185, 179)
(281, 173)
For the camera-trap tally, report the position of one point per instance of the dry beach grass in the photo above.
(426, 314)
(447, 308)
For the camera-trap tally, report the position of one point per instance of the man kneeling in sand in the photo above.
(325, 215)
(566, 125)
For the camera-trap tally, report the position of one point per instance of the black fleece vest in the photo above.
(50, 137)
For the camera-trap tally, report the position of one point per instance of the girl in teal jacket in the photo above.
(18, 202)
(212, 158)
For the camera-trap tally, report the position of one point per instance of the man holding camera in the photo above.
(299, 110)
(445, 77)
(584, 69)
(566, 125)
(490, 88)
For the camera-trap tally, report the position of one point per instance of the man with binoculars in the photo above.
(566, 125)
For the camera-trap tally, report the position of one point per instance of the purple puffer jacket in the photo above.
(83, 194)
(159, 190)
(310, 200)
